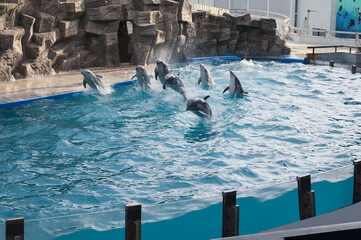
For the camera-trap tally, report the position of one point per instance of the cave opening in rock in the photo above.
(125, 48)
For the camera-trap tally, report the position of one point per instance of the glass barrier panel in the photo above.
(92, 226)
(333, 189)
(2, 231)
(261, 208)
(267, 207)
(191, 219)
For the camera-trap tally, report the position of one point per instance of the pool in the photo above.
(95, 152)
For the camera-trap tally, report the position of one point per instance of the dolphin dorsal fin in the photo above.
(206, 97)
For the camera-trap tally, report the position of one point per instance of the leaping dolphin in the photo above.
(205, 79)
(161, 70)
(200, 107)
(143, 77)
(92, 80)
(235, 87)
(174, 82)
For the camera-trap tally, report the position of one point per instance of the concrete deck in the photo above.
(72, 81)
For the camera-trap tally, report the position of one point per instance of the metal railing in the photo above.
(132, 217)
(285, 30)
(211, 9)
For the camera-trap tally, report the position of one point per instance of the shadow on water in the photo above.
(201, 131)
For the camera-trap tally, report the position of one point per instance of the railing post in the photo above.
(133, 216)
(357, 181)
(230, 220)
(353, 69)
(306, 197)
(14, 228)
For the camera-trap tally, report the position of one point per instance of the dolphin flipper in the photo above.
(199, 81)
(84, 83)
(133, 77)
(226, 89)
(203, 113)
(99, 77)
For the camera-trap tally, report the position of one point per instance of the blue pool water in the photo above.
(95, 152)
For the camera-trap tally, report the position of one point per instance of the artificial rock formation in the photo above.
(40, 36)
(227, 34)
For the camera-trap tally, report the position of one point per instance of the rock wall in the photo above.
(40, 36)
(227, 34)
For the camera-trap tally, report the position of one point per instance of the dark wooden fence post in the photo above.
(14, 228)
(133, 217)
(353, 70)
(357, 181)
(230, 220)
(306, 197)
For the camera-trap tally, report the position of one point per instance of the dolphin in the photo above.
(200, 107)
(235, 88)
(143, 77)
(174, 82)
(205, 79)
(92, 80)
(161, 70)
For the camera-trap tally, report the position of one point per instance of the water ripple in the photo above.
(97, 151)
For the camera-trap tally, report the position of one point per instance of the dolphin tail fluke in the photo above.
(84, 83)
(226, 89)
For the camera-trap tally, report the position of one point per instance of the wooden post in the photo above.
(306, 197)
(133, 216)
(357, 181)
(230, 220)
(14, 228)
(307, 60)
(353, 70)
(332, 63)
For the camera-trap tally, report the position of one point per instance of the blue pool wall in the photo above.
(58, 96)
(238, 57)
(255, 215)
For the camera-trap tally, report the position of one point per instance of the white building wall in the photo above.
(221, 3)
(239, 4)
(321, 18)
(258, 5)
(280, 6)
